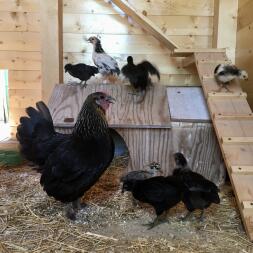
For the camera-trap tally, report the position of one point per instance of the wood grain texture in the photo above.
(66, 102)
(19, 6)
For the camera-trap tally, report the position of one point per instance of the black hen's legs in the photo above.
(157, 221)
(187, 216)
(201, 217)
(73, 209)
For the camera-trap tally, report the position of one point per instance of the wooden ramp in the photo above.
(233, 122)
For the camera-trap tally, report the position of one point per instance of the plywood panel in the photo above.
(160, 7)
(19, 22)
(17, 60)
(245, 16)
(171, 25)
(153, 112)
(20, 41)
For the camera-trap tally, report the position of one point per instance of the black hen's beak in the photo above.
(110, 99)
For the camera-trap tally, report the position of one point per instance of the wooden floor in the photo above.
(233, 122)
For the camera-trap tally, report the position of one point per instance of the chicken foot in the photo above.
(73, 209)
(157, 221)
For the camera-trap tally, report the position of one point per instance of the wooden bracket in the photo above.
(188, 61)
(244, 170)
(237, 140)
(145, 22)
(227, 94)
(233, 117)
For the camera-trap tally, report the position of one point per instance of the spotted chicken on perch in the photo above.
(225, 73)
(107, 66)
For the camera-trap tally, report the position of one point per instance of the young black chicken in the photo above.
(81, 71)
(70, 164)
(160, 192)
(138, 75)
(198, 192)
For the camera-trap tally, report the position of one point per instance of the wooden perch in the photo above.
(146, 24)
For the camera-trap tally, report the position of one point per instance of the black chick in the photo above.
(81, 71)
(198, 192)
(138, 75)
(160, 192)
(225, 73)
(153, 169)
(75, 161)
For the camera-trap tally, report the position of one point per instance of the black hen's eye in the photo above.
(102, 97)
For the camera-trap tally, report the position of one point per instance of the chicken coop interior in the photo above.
(86, 170)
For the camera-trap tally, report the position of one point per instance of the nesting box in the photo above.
(148, 129)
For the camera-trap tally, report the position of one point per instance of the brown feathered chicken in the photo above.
(69, 164)
(107, 66)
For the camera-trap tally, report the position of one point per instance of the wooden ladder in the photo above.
(233, 122)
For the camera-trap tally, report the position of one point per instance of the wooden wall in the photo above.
(188, 23)
(244, 50)
(20, 53)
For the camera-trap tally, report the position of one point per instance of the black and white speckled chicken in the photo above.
(225, 73)
(107, 65)
(154, 169)
(81, 71)
(198, 192)
(138, 75)
(70, 164)
(162, 193)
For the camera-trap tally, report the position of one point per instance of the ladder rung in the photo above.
(237, 140)
(227, 94)
(247, 208)
(245, 170)
(233, 117)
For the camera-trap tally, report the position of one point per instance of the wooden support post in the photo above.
(52, 45)
(147, 24)
(225, 26)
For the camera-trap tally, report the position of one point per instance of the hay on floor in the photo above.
(32, 222)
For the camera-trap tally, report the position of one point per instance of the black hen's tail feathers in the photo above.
(151, 69)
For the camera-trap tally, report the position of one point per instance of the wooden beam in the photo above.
(52, 44)
(220, 116)
(225, 26)
(146, 24)
(227, 94)
(237, 140)
(184, 52)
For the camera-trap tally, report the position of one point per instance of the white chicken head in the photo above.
(93, 40)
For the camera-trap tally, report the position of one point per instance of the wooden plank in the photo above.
(19, 22)
(245, 17)
(227, 94)
(247, 208)
(20, 41)
(9, 145)
(51, 28)
(159, 7)
(233, 140)
(146, 24)
(184, 52)
(152, 113)
(219, 116)
(17, 60)
(19, 6)
(170, 25)
(245, 170)
(184, 108)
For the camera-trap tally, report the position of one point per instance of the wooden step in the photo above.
(183, 52)
(237, 140)
(220, 116)
(227, 94)
(243, 170)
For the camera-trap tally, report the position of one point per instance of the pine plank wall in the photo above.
(187, 22)
(244, 52)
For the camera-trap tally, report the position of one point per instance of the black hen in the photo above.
(198, 192)
(161, 192)
(70, 164)
(81, 71)
(138, 75)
